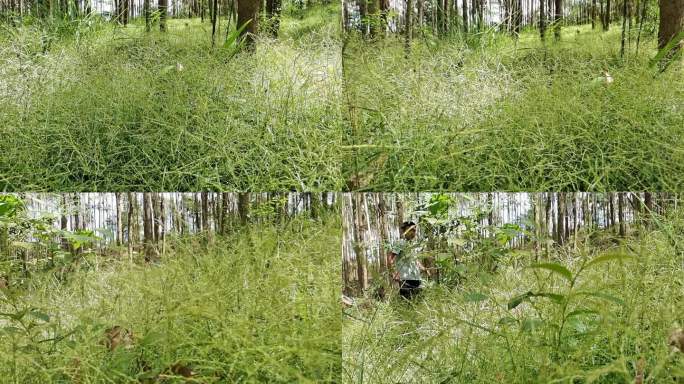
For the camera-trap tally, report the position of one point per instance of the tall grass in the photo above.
(259, 305)
(473, 334)
(492, 113)
(121, 110)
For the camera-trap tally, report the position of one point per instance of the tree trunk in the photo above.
(273, 12)
(624, 28)
(243, 207)
(409, 27)
(64, 221)
(205, 212)
(606, 16)
(131, 206)
(542, 20)
(671, 22)
(148, 227)
(557, 19)
(161, 220)
(163, 6)
(359, 249)
(148, 16)
(224, 213)
(119, 225)
(464, 6)
(248, 14)
(383, 237)
(621, 214)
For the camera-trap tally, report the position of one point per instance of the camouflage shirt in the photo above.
(407, 259)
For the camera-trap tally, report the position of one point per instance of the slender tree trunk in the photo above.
(273, 12)
(464, 6)
(131, 209)
(205, 212)
(214, 17)
(162, 224)
(624, 28)
(243, 207)
(359, 248)
(119, 225)
(607, 17)
(542, 20)
(642, 17)
(557, 19)
(409, 27)
(224, 213)
(148, 227)
(163, 6)
(64, 221)
(621, 214)
(148, 16)
(383, 237)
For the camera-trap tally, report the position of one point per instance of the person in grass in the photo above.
(403, 260)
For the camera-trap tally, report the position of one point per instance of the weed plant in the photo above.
(489, 112)
(259, 305)
(597, 313)
(113, 108)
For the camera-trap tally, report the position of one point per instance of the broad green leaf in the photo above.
(40, 315)
(555, 297)
(555, 268)
(667, 48)
(604, 296)
(609, 257)
(10, 330)
(580, 312)
(530, 324)
(517, 300)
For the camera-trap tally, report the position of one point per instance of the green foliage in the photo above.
(258, 306)
(514, 115)
(123, 110)
(586, 315)
(37, 243)
(667, 54)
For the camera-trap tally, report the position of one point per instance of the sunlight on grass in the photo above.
(490, 113)
(119, 110)
(469, 332)
(257, 306)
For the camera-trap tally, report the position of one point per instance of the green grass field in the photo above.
(611, 326)
(260, 305)
(490, 113)
(108, 108)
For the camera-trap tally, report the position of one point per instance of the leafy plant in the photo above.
(571, 299)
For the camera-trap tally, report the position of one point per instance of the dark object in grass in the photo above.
(676, 340)
(639, 377)
(409, 288)
(178, 369)
(118, 336)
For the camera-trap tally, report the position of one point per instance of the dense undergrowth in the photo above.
(490, 113)
(111, 108)
(256, 306)
(567, 320)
